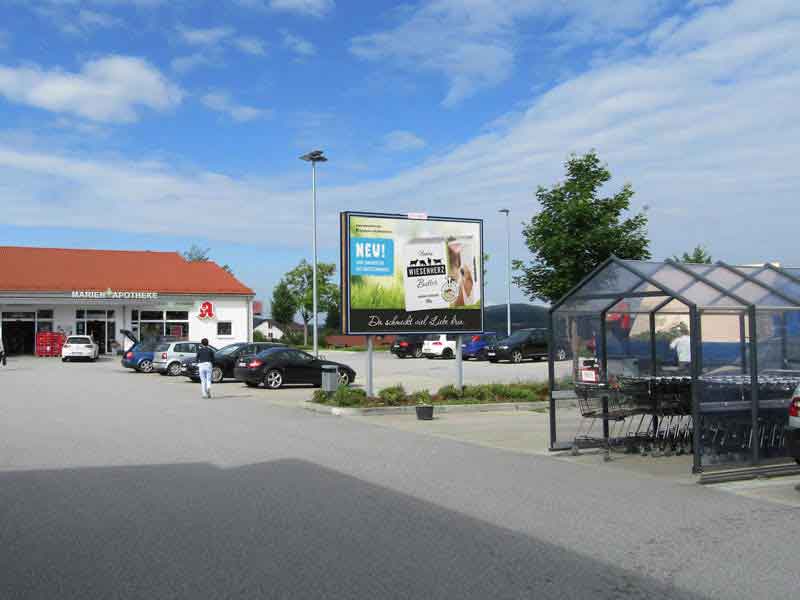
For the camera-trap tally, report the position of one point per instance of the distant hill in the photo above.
(523, 316)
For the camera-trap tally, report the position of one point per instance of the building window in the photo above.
(134, 315)
(46, 315)
(177, 315)
(224, 328)
(152, 315)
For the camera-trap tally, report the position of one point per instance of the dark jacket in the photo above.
(205, 354)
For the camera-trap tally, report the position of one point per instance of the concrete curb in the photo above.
(341, 411)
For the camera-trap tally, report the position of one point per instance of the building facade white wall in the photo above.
(230, 320)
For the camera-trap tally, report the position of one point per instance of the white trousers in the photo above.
(205, 376)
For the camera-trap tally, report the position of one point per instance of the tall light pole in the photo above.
(508, 269)
(314, 157)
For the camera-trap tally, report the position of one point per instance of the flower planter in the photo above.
(425, 413)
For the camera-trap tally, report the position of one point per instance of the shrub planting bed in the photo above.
(471, 394)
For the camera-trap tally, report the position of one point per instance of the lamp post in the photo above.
(314, 157)
(508, 269)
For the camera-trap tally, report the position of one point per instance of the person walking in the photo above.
(205, 364)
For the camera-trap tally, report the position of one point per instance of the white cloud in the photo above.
(204, 37)
(473, 43)
(221, 102)
(110, 89)
(313, 8)
(402, 141)
(189, 62)
(298, 45)
(704, 127)
(250, 45)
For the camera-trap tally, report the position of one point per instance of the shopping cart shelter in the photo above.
(674, 358)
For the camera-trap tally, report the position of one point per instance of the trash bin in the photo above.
(330, 378)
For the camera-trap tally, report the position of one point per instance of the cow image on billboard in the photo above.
(411, 275)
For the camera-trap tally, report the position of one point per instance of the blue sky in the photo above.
(155, 124)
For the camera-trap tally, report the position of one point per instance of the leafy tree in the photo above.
(699, 255)
(333, 320)
(300, 282)
(199, 254)
(283, 305)
(259, 337)
(576, 230)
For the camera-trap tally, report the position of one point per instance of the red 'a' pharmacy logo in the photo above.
(206, 310)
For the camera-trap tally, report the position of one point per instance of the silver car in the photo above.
(167, 356)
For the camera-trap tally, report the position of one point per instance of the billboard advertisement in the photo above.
(411, 274)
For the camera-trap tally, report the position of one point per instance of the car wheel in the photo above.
(448, 354)
(561, 354)
(146, 366)
(251, 384)
(64, 359)
(195, 379)
(273, 379)
(344, 378)
(216, 375)
(401, 356)
(516, 356)
(493, 361)
(174, 369)
(418, 353)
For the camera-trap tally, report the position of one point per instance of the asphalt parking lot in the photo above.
(115, 484)
(431, 374)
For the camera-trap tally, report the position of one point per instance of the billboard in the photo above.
(411, 274)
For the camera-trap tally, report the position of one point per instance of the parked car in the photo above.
(79, 347)
(408, 345)
(523, 344)
(792, 432)
(168, 356)
(277, 367)
(225, 359)
(439, 345)
(477, 347)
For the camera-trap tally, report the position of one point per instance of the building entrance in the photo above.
(97, 330)
(19, 337)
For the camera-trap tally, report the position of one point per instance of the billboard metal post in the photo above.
(459, 364)
(370, 353)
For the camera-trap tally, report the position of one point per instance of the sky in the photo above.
(158, 124)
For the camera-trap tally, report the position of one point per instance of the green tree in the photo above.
(283, 305)
(300, 282)
(577, 229)
(699, 255)
(333, 319)
(199, 254)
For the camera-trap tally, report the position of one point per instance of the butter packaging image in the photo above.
(427, 283)
(462, 268)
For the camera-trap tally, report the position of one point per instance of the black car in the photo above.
(525, 343)
(408, 345)
(225, 360)
(277, 367)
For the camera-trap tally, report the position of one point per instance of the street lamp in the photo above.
(314, 157)
(508, 271)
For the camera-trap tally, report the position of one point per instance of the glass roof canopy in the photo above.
(670, 287)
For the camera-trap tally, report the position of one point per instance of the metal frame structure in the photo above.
(776, 283)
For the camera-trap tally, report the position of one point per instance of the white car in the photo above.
(439, 345)
(79, 347)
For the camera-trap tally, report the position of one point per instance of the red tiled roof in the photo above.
(62, 270)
